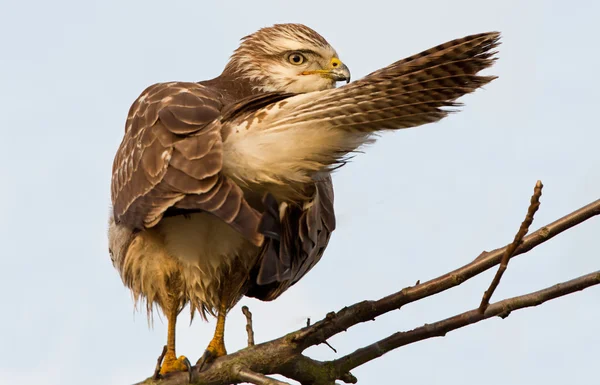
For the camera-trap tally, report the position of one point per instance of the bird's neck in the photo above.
(233, 87)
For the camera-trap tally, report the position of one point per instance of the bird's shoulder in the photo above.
(183, 107)
(171, 147)
(171, 156)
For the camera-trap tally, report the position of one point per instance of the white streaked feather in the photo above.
(284, 154)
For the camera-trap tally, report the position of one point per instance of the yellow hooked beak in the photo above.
(336, 70)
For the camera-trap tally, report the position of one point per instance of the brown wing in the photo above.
(408, 93)
(171, 158)
(421, 89)
(295, 239)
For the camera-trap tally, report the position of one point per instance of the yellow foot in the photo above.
(215, 349)
(172, 364)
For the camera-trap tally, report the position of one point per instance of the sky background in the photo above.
(417, 204)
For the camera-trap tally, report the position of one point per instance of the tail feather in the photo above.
(287, 142)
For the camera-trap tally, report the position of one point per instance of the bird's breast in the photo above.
(202, 240)
(214, 258)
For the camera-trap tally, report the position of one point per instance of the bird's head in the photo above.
(288, 58)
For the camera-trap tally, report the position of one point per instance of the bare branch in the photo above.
(510, 250)
(249, 329)
(364, 311)
(246, 375)
(440, 328)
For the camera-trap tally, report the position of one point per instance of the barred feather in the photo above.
(286, 143)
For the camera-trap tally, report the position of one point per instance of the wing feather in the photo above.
(288, 142)
(171, 157)
(296, 237)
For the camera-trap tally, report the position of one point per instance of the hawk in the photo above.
(222, 188)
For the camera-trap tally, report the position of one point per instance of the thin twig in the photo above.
(249, 328)
(510, 250)
(156, 374)
(246, 375)
(440, 328)
(330, 347)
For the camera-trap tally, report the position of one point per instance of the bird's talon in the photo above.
(171, 364)
(213, 351)
(207, 358)
(189, 367)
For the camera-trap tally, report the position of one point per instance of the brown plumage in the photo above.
(222, 188)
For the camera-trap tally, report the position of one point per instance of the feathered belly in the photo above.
(215, 259)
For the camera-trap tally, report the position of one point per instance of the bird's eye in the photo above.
(296, 58)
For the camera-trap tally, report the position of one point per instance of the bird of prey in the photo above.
(222, 188)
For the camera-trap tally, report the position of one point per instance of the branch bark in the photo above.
(246, 375)
(284, 355)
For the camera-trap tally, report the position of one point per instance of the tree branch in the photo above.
(284, 355)
(510, 250)
(364, 311)
(440, 328)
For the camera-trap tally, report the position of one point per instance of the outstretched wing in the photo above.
(171, 158)
(295, 239)
(286, 143)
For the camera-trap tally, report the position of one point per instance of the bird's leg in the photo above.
(216, 347)
(171, 363)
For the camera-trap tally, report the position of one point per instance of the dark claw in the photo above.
(206, 358)
(189, 366)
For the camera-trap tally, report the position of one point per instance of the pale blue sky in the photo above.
(419, 202)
